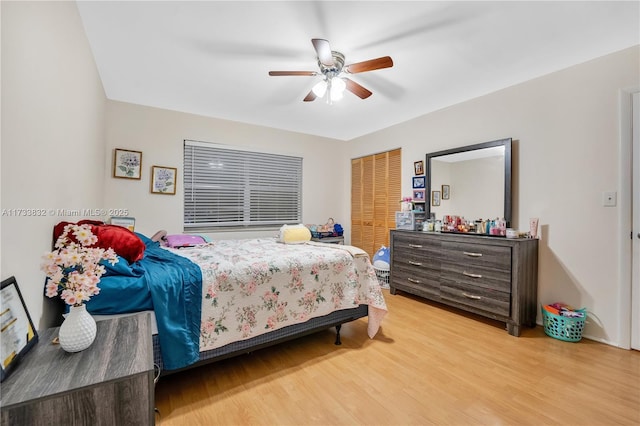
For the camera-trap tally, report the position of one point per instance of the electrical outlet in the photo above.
(609, 199)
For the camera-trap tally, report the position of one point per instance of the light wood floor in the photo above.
(427, 365)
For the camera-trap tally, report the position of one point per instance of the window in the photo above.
(235, 189)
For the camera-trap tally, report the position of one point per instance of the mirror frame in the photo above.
(507, 171)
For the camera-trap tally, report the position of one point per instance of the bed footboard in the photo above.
(313, 325)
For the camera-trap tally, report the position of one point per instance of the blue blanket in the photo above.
(169, 284)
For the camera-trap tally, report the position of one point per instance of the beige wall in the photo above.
(53, 109)
(159, 134)
(566, 154)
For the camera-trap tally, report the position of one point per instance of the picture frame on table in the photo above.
(419, 182)
(18, 333)
(124, 221)
(163, 180)
(418, 167)
(445, 192)
(127, 164)
(435, 198)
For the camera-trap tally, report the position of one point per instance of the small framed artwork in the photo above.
(418, 167)
(418, 181)
(127, 164)
(18, 334)
(163, 180)
(435, 198)
(445, 192)
(418, 207)
(418, 195)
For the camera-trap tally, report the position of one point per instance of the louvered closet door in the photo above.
(380, 179)
(368, 171)
(394, 189)
(375, 197)
(356, 202)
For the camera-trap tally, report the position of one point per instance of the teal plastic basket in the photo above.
(563, 328)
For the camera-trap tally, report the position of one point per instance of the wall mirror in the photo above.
(472, 181)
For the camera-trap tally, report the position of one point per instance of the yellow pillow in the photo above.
(294, 234)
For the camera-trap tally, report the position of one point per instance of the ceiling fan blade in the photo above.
(357, 89)
(370, 65)
(310, 97)
(323, 50)
(306, 73)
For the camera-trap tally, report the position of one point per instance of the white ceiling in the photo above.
(212, 57)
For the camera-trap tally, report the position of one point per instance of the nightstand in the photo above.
(110, 383)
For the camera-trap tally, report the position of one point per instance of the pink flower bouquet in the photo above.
(73, 267)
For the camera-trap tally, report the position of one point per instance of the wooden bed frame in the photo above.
(313, 325)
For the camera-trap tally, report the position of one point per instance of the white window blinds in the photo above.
(234, 188)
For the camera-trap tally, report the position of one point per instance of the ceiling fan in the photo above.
(332, 69)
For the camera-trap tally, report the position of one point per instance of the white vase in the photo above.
(78, 330)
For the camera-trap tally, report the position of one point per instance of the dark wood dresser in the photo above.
(490, 276)
(110, 383)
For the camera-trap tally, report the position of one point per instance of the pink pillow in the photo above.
(183, 240)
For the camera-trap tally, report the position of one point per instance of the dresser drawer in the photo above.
(495, 303)
(415, 246)
(483, 255)
(477, 276)
(425, 281)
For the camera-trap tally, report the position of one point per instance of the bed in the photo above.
(228, 297)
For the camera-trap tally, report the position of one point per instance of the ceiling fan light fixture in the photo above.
(337, 88)
(320, 88)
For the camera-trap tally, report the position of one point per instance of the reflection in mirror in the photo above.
(477, 180)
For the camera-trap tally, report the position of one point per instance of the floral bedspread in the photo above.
(251, 287)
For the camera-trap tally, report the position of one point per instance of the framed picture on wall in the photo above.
(445, 192)
(163, 180)
(418, 195)
(418, 167)
(419, 181)
(435, 198)
(127, 164)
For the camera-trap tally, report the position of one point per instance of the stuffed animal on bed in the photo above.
(294, 234)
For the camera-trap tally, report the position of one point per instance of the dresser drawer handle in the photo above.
(472, 254)
(471, 275)
(411, 262)
(415, 245)
(411, 280)
(471, 296)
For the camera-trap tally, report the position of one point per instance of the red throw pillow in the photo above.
(123, 241)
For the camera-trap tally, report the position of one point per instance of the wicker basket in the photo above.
(563, 328)
(383, 277)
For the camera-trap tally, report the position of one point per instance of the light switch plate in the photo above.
(609, 199)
